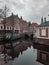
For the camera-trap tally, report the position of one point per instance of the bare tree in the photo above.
(4, 12)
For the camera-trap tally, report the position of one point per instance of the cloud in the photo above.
(31, 10)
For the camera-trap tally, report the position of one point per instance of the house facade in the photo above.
(23, 26)
(42, 46)
(42, 30)
(13, 22)
(33, 27)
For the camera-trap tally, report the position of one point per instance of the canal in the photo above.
(24, 54)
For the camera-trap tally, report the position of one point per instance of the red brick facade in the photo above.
(15, 22)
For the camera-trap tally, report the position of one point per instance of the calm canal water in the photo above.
(24, 54)
(27, 57)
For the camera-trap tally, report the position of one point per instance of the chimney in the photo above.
(42, 20)
(12, 13)
(45, 19)
(21, 17)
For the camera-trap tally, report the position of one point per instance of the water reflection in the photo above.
(22, 53)
(19, 48)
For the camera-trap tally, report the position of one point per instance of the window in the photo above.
(44, 32)
(1, 27)
(44, 56)
(10, 28)
(7, 28)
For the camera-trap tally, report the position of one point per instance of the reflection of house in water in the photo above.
(19, 48)
(13, 24)
(42, 34)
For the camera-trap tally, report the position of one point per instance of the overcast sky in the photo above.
(30, 10)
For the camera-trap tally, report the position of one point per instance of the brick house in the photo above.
(33, 27)
(15, 23)
(23, 25)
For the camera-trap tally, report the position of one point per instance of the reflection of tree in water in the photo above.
(20, 48)
(14, 51)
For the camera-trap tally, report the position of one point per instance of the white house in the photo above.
(42, 30)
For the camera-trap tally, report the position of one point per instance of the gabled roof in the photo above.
(12, 16)
(11, 19)
(34, 24)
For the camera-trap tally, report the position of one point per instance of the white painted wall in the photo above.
(37, 34)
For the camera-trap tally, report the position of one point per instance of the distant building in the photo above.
(23, 25)
(32, 28)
